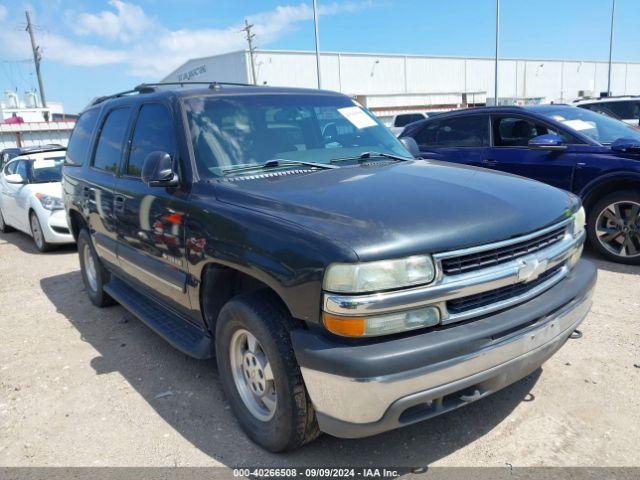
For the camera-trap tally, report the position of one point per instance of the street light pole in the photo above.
(613, 12)
(495, 75)
(315, 24)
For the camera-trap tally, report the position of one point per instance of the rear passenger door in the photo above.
(510, 152)
(459, 139)
(151, 220)
(97, 191)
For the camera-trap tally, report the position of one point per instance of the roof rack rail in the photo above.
(152, 87)
(212, 85)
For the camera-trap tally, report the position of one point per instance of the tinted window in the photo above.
(153, 132)
(109, 147)
(407, 118)
(78, 148)
(516, 131)
(624, 110)
(468, 131)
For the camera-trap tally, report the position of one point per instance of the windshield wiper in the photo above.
(276, 163)
(367, 155)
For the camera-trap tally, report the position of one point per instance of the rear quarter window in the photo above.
(80, 141)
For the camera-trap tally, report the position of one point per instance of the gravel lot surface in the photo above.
(80, 386)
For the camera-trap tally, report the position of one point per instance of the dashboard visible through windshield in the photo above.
(236, 131)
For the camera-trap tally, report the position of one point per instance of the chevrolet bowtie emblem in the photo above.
(530, 268)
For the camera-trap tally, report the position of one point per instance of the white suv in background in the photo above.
(396, 123)
(31, 198)
(625, 108)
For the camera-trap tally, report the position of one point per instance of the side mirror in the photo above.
(626, 145)
(550, 141)
(411, 145)
(158, 170)
(15, 178)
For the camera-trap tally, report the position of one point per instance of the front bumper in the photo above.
(55, 227)
(363, 389)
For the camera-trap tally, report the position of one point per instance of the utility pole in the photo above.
(36, 58)
(495, 75)
(250, 36)
(613, 13)
(315, 25)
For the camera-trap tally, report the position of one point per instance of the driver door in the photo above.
(509, 151)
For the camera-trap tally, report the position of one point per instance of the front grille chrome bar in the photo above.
(450, 287)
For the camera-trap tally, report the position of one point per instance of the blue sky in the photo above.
(93, 47)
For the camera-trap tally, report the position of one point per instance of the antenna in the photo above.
(36, 59)
(250, 36)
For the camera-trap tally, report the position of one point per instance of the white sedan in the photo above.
(31, 198)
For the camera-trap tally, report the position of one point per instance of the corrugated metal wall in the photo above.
(367, 74)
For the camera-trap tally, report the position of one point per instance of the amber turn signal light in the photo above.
(345, 326)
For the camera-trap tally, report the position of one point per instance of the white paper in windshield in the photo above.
(357, 117)
(579, 124)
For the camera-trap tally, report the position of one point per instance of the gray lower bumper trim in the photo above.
(399, 400)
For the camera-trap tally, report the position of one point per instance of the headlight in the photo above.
(579, 221)
(382, 324)
(49, 202)
(380, 275)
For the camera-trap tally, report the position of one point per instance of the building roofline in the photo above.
(412, 55)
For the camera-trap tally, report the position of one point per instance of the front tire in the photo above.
(94, 275)
(37, 234)
(613, 227)
(260, 375)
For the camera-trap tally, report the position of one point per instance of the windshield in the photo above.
(47, 170)
(599, 127)
(234, 131)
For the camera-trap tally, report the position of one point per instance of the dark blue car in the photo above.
(591, 155)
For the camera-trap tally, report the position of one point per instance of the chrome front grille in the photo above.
(476, 281)
(496, 256)
(458, 306)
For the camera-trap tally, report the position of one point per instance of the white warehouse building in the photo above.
(391, 83)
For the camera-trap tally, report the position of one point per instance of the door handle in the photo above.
(118, 203)
(489, 162)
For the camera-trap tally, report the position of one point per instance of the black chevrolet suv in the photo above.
(341, 284)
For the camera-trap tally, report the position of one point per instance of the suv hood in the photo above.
(387, 210)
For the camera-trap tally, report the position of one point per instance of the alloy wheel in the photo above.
(618, 228)
(252, 375)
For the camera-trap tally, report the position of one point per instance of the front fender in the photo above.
(289, 259)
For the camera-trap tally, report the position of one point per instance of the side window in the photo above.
(109, 149)
(516, 131)
(625, 110)
(407, 118)
(78, 147)
(467, 131)
(23, 169)
(153, 132)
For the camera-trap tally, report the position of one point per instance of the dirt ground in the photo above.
(80, 386)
